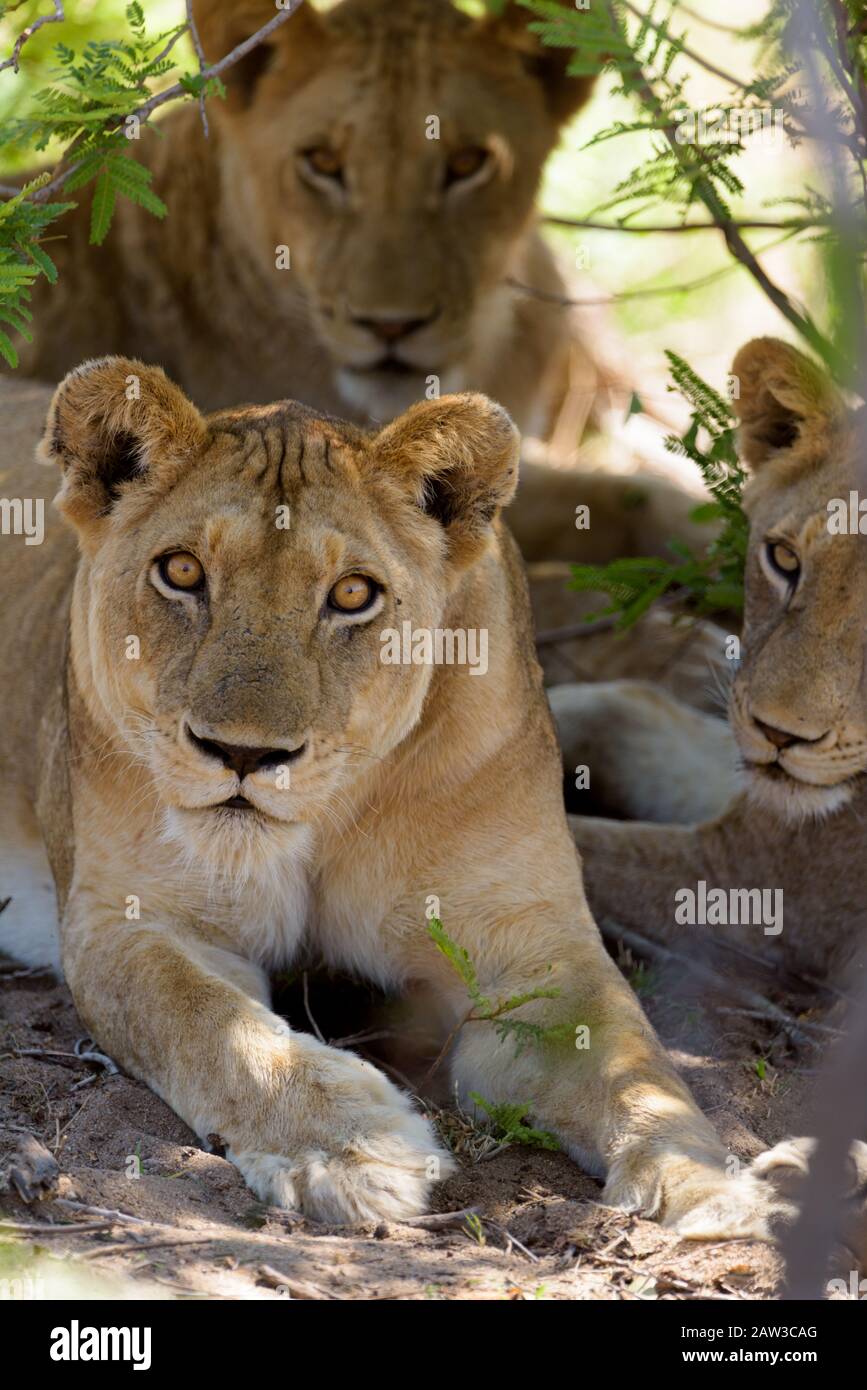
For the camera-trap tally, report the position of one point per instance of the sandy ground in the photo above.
(540, 1232)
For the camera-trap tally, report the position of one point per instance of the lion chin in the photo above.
(232, 847)
(793, 801)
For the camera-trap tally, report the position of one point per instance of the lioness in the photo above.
(798, 705)
(349, 230)
(227, 777)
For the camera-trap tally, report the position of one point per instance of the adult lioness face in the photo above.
(236, 577)
(394, 152)
(799, 701)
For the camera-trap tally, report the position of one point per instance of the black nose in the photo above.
(391, 330)
(242, 759)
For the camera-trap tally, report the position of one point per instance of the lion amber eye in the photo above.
(783, 559)
(464, 163)
(182, 570)
(352, 593)
(325, 162)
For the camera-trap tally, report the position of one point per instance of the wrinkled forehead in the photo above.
(275, 485)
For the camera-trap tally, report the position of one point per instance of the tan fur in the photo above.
(799, 824)
(406, 781)
(200, 293)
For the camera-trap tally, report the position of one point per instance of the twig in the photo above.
(710, 23)
(791, 224)
(56, 18)
(371, 1035)
(439, 1220)
(761, 1014)
(311, 1020)
(771, 1012)
(146, 110)
(513, 1240)
(436, 1063)
(644, 292)
(565, 634)
(47, 1228)
(296, 1288)
(685, 50)
(121, 1216)
(203, 62)
(705, 190)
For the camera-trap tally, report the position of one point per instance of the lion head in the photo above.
(394, 150)
(799, 699)
(236, 575)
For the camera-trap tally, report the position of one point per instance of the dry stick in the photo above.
(296, 1288)
(759, 1013)
(495, 1225)
(116, 1216)
(28, 33)
(46, 1228)
(311, 1020)
(764, 1007)
(439, 1220)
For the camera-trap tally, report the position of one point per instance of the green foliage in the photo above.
(711, 582)
(83, 112)
(507, 1121)
(22, 258)
(485, 1010)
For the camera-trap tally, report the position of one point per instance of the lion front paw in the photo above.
(383, 1170)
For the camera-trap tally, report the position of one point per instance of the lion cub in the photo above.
(226, 772)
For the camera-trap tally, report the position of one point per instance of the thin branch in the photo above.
(565, 634)
(146, 110)
(794, 225)
(203, 62)
(797, 1029)
(311, 1020)
(685, 50)
(709, 23)
(57, 18)
(647, 292)
(439, 1220)
(737, 246)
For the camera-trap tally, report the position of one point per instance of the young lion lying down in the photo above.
(226, 774)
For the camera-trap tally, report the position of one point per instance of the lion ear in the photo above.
(114, 423)
(296, 44)
(458, 456)
(548, 63)
(778, 395)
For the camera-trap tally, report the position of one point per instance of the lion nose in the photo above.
(242, 759)
(392, 329)
(780, 738)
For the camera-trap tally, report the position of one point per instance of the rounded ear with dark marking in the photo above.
(548, 63)
(295, 47)
(458, 456)
(114, 424)
(778, 395)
